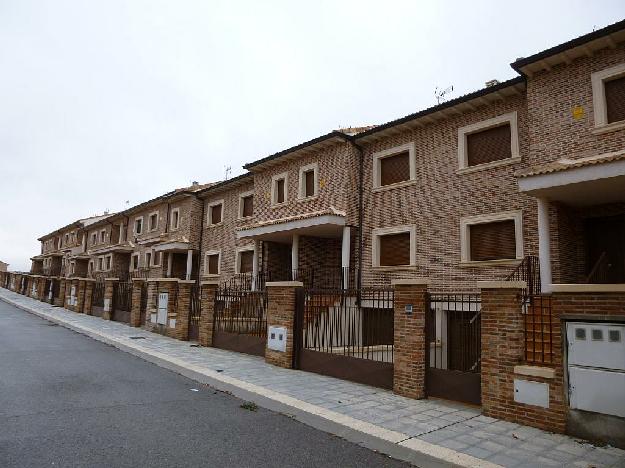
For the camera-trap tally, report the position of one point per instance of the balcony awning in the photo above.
(578, 182)
(173, 246)
(328, 223)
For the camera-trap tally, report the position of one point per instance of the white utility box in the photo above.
(531, 393)
(161, 318)
(276, 339)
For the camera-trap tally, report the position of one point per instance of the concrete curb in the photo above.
(395, 444)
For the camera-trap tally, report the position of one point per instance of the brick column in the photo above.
(80, 296)
(42, 294)
(71, 285)
(60, 301)
(109, 286)
(207, 317)
(181, 331)
(29, 289)
(281, 313)
(410, 302)
(503, 354)
(155, 287)
(135, 313)
(152, 301)
(88, 296)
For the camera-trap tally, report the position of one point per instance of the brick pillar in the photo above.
(30, 291)
(80, 296)
(71, 286)
(207, 317)
(155, 287)
(181, 331)
(109, 286)
(152, 301)
(410, 303)
(88, 296)
(135, 312)
(503, 354)
(60, 301)
(281, 313)
(41, 289)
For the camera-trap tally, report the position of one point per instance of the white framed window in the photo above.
(395, 166)
(489, 143)
(174, 223)
(279, 188)
(134, 262)
(102, 236)
(246, 204)
(156, 258)
(94, 238)
(66, 239)
(108, 262)
(153, 221)
(308, 186)
(212, 263)
(148, 259)
(394, 246)
(90, 267)
(495, 237)
(215, 213)
(72, 267)
(244, 259)
(100, 263)
(608, 106)
(138, 226)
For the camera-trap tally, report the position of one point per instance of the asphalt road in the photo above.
(69, 401)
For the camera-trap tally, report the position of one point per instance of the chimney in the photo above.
(195, 183)
(491, 83)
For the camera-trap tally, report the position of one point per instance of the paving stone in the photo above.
(504, 460)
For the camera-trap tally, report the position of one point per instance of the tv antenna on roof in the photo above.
(228, 170)
(441, 93)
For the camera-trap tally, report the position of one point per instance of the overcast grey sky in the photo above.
(107, 101)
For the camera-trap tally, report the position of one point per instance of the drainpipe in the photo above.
(361, 165)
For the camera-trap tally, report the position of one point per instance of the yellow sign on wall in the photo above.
(578, 112)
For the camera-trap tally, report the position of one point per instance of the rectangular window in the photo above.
(493, 241)
(153, 222)
(489, 145)
(492, 237)
(211, 265)
(395, 165)
(109, 262)
(215, 214)
(148, 259)
(246, 261)
(280, 191)
(615, 99)
(102, 235)
(175, 219)
(395, 169)
(94, 238)
(156, 260)
(135, 262)
(100, 263)
(279, 188)
(394, 249)
(308, 181)
(247, 208)
(138, 225)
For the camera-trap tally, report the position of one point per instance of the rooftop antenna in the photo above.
(441, 93)
(228, 170)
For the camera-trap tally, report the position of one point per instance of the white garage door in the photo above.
(596, 361)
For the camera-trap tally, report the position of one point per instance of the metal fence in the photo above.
(538, 323)
(241, 311)
(97, 299)
(529, 271)
(195, 311)
(355, 323)
(123, 296)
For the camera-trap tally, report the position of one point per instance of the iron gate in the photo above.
(240, 320)
(195, 311)
(453, 353)
(97, 300)
(122, 301)
(347, 334)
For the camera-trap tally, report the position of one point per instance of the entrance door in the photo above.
(453, 338)
(596, 368)
(605, 249)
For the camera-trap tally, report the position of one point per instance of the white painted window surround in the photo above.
(377, 157)
(463, 132)
(465, 237)
(206, 255)
(134, 227)
(134, 261)
(209, 214)
(175, 225)
(237, 257)
(600, 109)
(274, 187)
(301, 191)
(375, 243)
(241, 197)
(151, 215)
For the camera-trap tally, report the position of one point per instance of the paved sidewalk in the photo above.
(425, 432)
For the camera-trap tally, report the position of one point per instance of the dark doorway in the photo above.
(605, 249)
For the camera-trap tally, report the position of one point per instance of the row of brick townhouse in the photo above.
(515, 191)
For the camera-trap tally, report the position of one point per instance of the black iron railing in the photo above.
(335, 321)
(529, 271)
(123, 296)
(195, 312)
(241, 311)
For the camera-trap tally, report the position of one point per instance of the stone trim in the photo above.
(588, 288)
(413, 281)
(502, 284)
(536, 371)
(281, 284)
